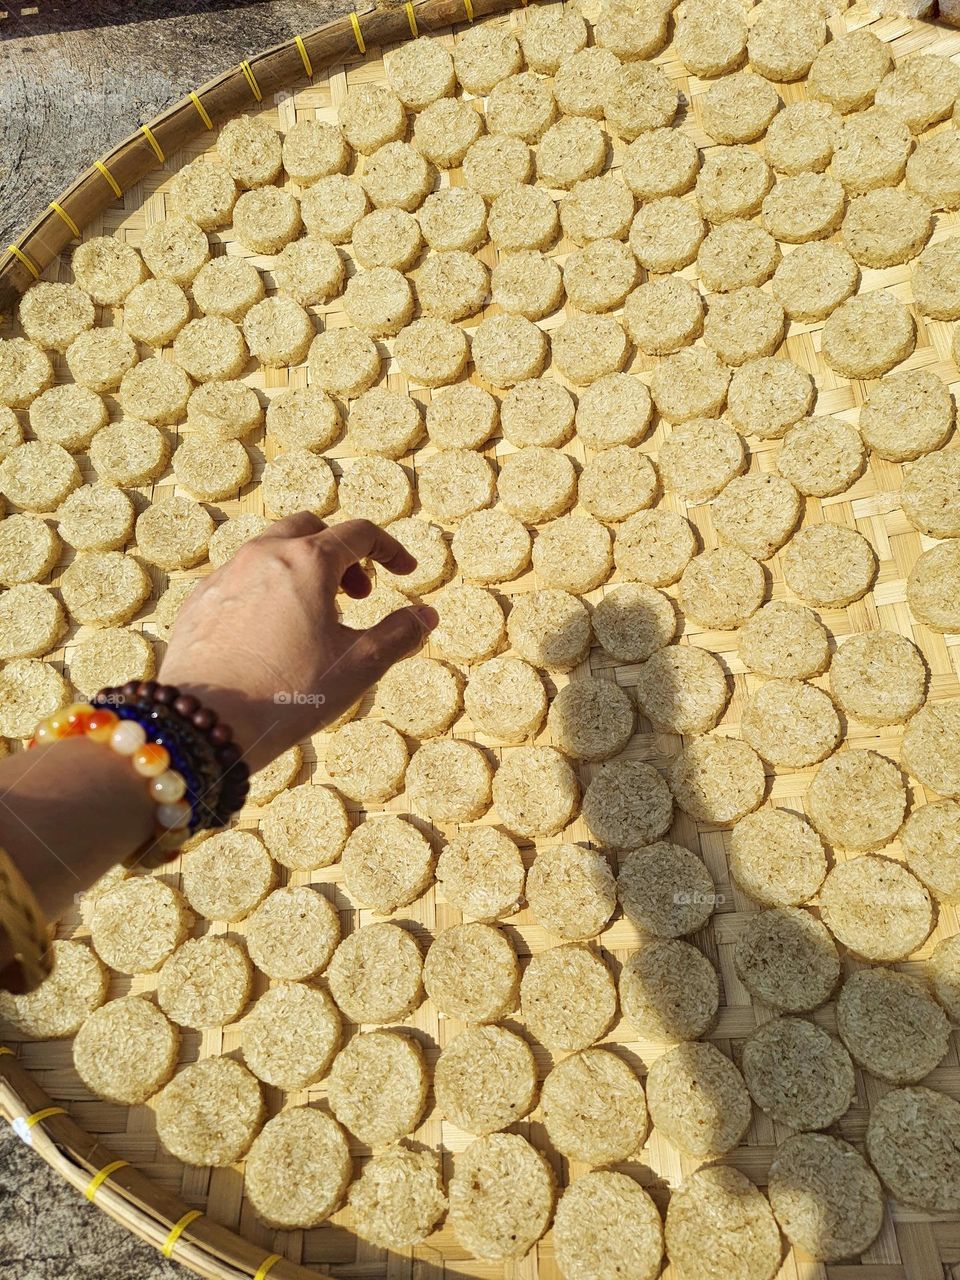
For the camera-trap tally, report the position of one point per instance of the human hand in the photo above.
(259, 640)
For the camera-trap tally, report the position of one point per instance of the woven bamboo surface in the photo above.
(912, 1244)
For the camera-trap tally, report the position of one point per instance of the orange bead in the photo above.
(100, 724)
(63, 720)
(45, 732)
(151, 760)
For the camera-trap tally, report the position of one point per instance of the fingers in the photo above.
(356, 583)
(397, 635)
(355, 540)
(300, 525)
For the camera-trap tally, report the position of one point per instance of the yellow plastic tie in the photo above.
(201, 110)
(357, 33)
(467, 4)
(111, 180)
(4, 1049)
(304, 56)
(99, 1178)
(31, 267)
(62, 214)
(37, 1116)
(157, 149)
(177, 1230)
(251, 80)
(411, 19)
(266, 1265)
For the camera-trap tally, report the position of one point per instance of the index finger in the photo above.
(356, 540)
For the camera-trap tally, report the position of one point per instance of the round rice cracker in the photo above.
(931, 747)
(550, 629)
(876, 908)
(804, 207)
(377, 1086)
(692, 384)
(757, 514)
(634, 621)
(96, 517)
(886, 227)
(549, 37)
(847, 72)
(744, 325)
(700, 457)
(933, 168)
(717, 780)
(481, 873)
(798, 1074)
(664, 315)
(571, 891)
(784, 640)
(720, 589)
(101, 589)
(209, 1114)
(420, 697)
(448, 780)
(375, 974)
(934, 280)
(930, 838)
(471, 973)
(879, 677)
(505, 699)
(907, 415)
(420, 72)
(138, 923)
(606, 1224)
(291, 1035)
(682, 689)
(718, 1223)
(582, 81)
(735, 255)
(537, 413)
(801, 137)
(398, 1198)
(866, 336)
(738, 108)
(788, 722)
(786, 958)
(298, 480)
(38, 476)
(933, 587)
(587, 348)
(485, 1079)
(174, 533)
(501, 1196)
(943, 973)
(278, 939)
(871, 151)
(111, 657)
(698, 1100)
(306, 827)
(670, 992)
(537, 484)
(913, 1142)
(593, 1107)
(825, 1197)
(227, 875)
(573, 553)
(814, 279)
(639, 97)
(663, 162)
(891, 1025)
(930, 494)
(250, 149)
(591, 719)
(535, 791)
(297, 1169)
(126, 1050)
(370, 116)
(857, 800)
(471, 627)
(665, 890)
(666, 234)
(784, 41)
(52, 315)
(568, 999)
(921, 90)
(829, 565)
(29, 549)
(75, 987)
(654, 547)
(30, 690)
(627, 804)
(205, 983)
(387, 864)
(107, 269)
(777, 858)
(711, 38)
(732, 183)
(32, 622)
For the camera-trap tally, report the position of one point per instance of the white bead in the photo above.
(168, 787)
(128, 737)
(173, 815)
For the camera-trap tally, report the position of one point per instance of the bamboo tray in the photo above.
(201, 1216)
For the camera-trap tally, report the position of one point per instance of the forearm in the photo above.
(68, 812)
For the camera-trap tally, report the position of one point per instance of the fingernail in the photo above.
(427, 616)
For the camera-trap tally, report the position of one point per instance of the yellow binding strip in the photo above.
(34, 270)
(304, 56)
(154, 144)
(62, 214)
(266, 1265)
(4, 1049)
(201, 110)
(411, 19)
(177, 1230)
(357, 33)
(111, 180)
(469, 8)
(251, 80)
(100, 1178)
(37, 1116)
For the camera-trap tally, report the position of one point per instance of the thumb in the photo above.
(394, 637)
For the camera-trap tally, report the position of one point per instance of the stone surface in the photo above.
(76, 78)
(49, 1232)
